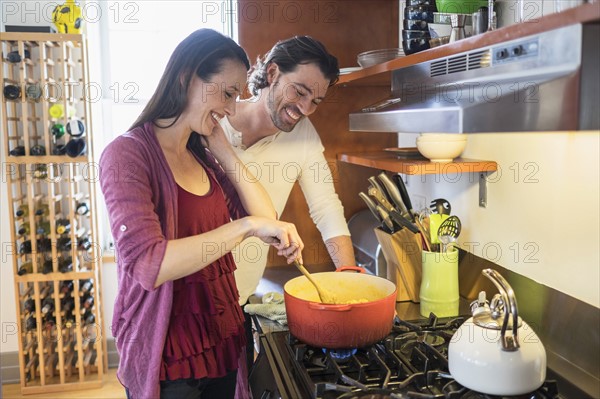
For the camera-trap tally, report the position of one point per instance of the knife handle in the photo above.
(380, 199)
(393, 193)
(404, 194)
(371, 205)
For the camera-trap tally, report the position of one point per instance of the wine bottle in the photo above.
(25, 268)
(47, 267)
(63, 226)
(18, 151)
(22, 211)
(42, 210)
(29, 305)
(86, 286)
(64, 244)
(66, 286)
(87, 301)
(65, 265)
(84, 243)
(30, 323)
(48, 305)
(67, 304)
(88, 317)
(43, 245)
(82, 208)
(23, 229)
(43, 227)
(40, 171)
(37, 150)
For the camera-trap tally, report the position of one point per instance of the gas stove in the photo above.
(411, 362)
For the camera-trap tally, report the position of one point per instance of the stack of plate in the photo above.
(374, 57)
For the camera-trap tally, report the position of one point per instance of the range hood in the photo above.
(528, 84)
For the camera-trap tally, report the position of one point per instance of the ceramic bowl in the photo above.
(442, 137)
(441, 151)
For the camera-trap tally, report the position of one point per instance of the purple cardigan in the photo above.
(141, 196)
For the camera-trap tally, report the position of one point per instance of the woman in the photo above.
(179, 200)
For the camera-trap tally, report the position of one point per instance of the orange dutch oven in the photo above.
(362, 315)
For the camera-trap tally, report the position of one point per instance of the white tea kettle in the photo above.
(485, 357)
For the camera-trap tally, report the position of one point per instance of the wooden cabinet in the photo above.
(51, 177)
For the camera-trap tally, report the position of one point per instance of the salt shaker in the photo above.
(458, 27)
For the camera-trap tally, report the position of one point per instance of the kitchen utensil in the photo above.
(449, 231)
(435, 221)
(366, 317)
(404, 195)
(458, 27)
(440, 206)
(512, 362)
(379, 197)
(439, 284)
(424, 234)
(324, 295)
(441, 151)
(394, 194)
(480, 21)
(387, 221)
(371, 205)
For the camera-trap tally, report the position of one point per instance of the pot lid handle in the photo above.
(510, 343)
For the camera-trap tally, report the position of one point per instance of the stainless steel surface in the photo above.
(534, 79)
(510, 310)
(458, 27)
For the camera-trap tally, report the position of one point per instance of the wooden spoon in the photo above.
(324, 295)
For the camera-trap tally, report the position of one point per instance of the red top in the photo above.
(206, 331)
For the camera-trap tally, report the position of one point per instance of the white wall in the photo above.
(542, 219)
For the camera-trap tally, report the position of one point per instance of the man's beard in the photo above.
(276, 118)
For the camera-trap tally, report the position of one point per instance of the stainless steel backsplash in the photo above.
(568, 327)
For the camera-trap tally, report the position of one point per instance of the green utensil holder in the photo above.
(439, 284)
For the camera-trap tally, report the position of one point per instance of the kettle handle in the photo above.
(509, 343)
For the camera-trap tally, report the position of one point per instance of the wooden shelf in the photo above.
(380, 73)
(390, 162)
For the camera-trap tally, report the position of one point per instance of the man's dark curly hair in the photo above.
(288, 54)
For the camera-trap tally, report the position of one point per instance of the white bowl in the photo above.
(442, 137)
(441, 151)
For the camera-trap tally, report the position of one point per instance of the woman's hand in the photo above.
(218, 144)
(282, 235)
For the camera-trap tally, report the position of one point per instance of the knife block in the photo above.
(402, 251)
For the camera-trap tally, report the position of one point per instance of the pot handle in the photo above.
(324, 306)
(353, 268)
(509, 343)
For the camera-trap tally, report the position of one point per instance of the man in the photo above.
(273, 136)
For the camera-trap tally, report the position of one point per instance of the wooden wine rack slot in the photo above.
(52, 243)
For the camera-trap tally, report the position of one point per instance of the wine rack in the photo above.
(51, 179)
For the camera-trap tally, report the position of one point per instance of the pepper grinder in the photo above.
(458, 27)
